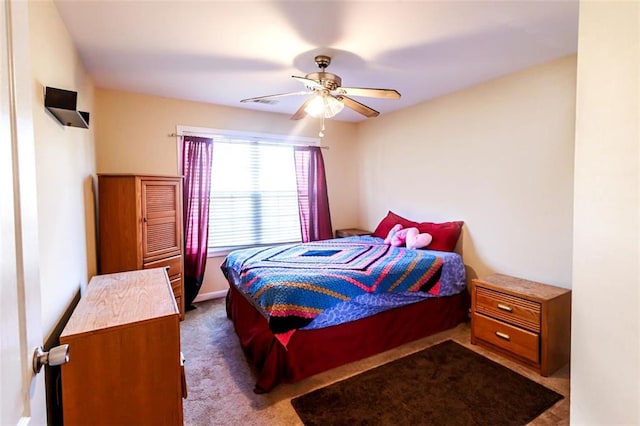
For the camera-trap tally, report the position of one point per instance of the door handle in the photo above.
(56, 356)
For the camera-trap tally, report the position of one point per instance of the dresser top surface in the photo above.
(122, 298)
(354, 231)
(521, 286)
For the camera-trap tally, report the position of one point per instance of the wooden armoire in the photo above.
(140, 226)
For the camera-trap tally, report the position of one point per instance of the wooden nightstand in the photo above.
(351, 232)
(525, 321)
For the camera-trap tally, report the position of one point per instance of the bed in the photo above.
(300, 309)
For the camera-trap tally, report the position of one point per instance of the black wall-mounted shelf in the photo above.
(62, 104)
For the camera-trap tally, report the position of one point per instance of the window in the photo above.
(253, 195)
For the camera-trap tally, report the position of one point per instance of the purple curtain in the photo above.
(196, 169)
(313, 202)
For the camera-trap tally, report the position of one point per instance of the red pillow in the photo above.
(389, 221)
(445, 235)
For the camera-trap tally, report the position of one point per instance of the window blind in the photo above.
(253, 195)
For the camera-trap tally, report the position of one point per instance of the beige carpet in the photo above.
(220, 382)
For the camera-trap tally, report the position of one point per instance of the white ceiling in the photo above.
(223, 51)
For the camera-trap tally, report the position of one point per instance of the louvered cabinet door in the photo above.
(161, 218)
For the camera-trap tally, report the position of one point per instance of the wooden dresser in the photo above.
(523, 320)
(140, 226)
(124, 353)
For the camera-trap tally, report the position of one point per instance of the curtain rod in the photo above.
(248, 139)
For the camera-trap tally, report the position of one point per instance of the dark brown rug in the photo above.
(445, 384)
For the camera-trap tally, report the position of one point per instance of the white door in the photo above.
(22, 398)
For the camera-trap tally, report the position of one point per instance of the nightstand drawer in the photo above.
(513, 339)
(512, 309)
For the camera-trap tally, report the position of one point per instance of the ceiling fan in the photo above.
(329, 97)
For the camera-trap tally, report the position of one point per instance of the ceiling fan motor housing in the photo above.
(328, 80)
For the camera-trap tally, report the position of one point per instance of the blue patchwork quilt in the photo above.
(294, 284)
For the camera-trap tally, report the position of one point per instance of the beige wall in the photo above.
(132, 137)
(65, 162)
(605, 361)
(498, 156)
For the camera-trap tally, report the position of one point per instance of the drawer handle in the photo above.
(505, 307)
(503, 335)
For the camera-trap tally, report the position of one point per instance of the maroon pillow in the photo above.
(389, 221)
(445, 235)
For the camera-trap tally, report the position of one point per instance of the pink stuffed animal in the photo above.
(413, 239)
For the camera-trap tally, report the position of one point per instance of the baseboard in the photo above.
(201, 297)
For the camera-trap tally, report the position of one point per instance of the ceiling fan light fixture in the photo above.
(323, 106)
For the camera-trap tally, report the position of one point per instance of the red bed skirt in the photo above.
(312, 351)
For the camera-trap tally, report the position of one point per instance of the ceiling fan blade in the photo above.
(358, 107)
(311, 84)
(264, 99)
(372, 93)
(300, 113)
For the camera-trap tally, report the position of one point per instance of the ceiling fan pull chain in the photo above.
(321, 134)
